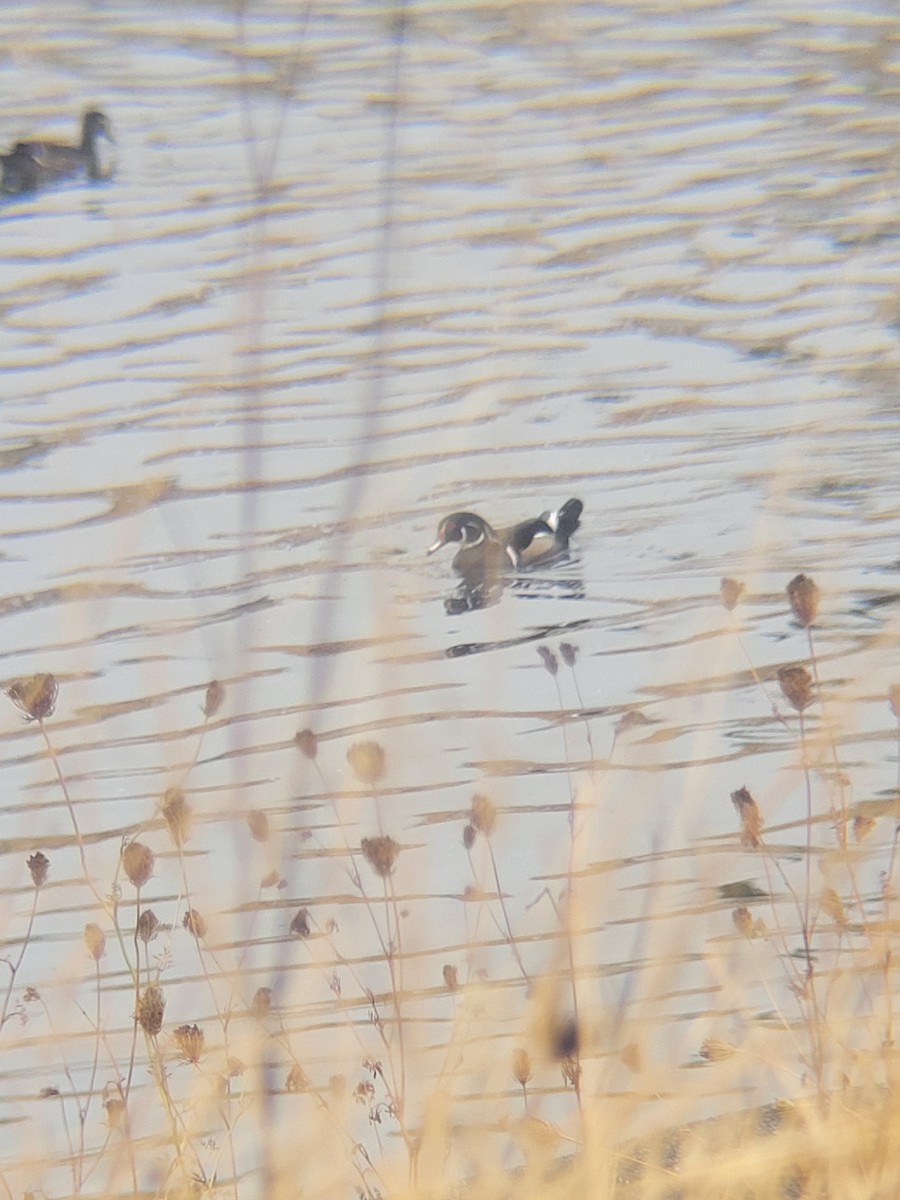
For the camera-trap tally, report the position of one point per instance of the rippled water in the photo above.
(352, 275)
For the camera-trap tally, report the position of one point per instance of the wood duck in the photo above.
(34, 164)
(490, 552)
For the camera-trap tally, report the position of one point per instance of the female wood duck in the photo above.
(486, 551)
(34, 164)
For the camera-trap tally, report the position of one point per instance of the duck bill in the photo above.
(437, 545)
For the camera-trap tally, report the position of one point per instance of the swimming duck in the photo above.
(33, 164)
(487, 551)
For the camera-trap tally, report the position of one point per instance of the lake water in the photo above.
(360, 267)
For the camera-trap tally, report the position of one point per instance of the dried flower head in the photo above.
(568, 652)
(296, 1080)
(834, 906)
(262, 1003)
(483, 814)
(300, 924)
(631, 1056)
(570, 1069)
(862, 827)
(381, 854)
(177, 814)
(258, 824)
(451, 978)
(551, 662)
(215, 694)
(189, 1042)
(114, 1107)
(803, 596)
(194, 923)
(469, 835)
(307, 743)
(743, 921)
(95, 941)
(732, 590)
(750, 817)
(715, 1050)
(151, 1007)
(894, 699)
(137, 863)
(367, 762)
(147, 926)
(521, 1066)
(39, 866)
(796, 686)
(35, 696)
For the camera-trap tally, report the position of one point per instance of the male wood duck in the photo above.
(34, 164)
(490, 552)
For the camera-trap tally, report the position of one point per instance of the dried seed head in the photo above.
(296, 1080)
(300, 924)
(367, 762)
(796, 686)
(194, 923)
(189, 1041)
(381, 854)
(137, 862)
(743, 921)
(521, 1066)
(833, 906)
(235, 1066)
(571, 1071)
(551, 662)
(715, 1050)
(862, 827)
(215, 694)
(258, 824)
(114, 1107)
(262, 1003)
(34, 696)
(39, 866)
(272, 879)
(803, 596)
(451, 978)
(95, 941)
(632, 1058)
(750, 816)
(177, 814)
(568, 653)
(894, 700)
(469, 835)
(483, 814)
(151, 1007)
(732, 590)
(147, 926)
(307, 743)
(564, 1039)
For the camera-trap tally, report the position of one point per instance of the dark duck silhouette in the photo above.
(34, 164)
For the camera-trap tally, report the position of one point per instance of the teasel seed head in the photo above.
(195, 924)
(551, 662)
(35, 696)
(258, 824)
(731, 590)
(151, 1007)
(381, 854)
(803, 596)
(521, 1066)
(796, 686)
(300, 925)
(39, 866)
(147, 926)
(95, 941)
(177, 814)
(568, 652)
(307, 743)
(483, 814)
(367, 762)
(189, 1040)
(750, 817)
(215, 695)
(138, 862)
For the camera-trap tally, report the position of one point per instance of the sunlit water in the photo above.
(344, 283)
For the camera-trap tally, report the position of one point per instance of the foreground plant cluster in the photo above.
(198, 1108)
